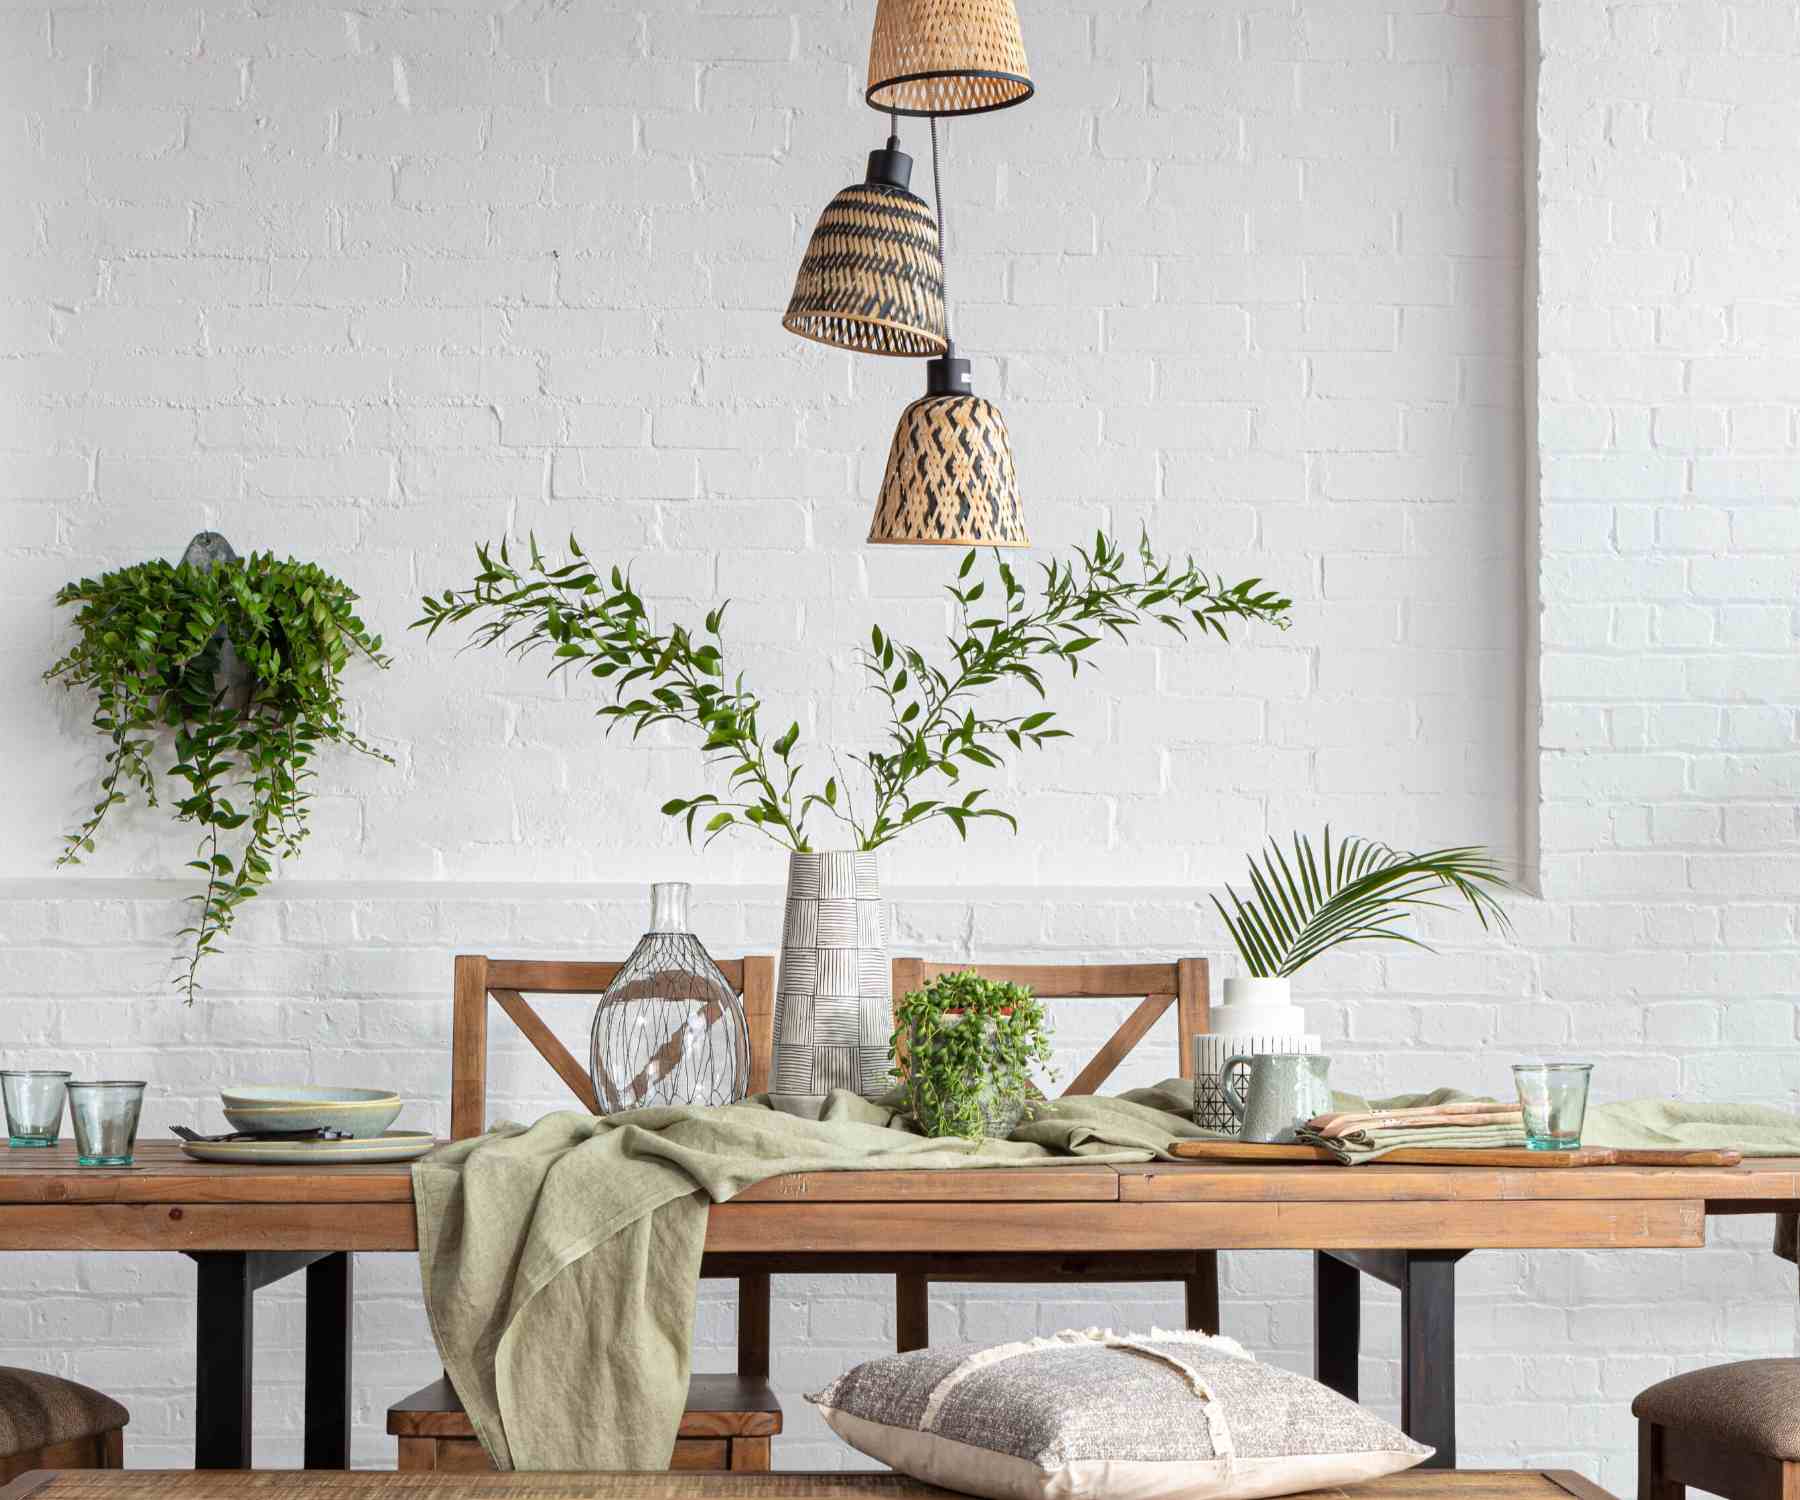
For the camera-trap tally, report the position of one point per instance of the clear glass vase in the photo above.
(669, 1029)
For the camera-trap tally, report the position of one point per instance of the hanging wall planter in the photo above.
(236, 663)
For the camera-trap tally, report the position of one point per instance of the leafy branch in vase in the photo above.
(589, 617)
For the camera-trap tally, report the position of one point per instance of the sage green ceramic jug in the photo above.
(1286, 1090)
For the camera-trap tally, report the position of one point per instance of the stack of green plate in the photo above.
(363, 1115)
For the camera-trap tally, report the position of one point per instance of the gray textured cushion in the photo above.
(1131, 1417)
(39, 1410)
(1753, 1405)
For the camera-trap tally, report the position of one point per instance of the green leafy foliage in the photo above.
(962, 1044)
(157, 646)
(590, 618)
(1356, 891)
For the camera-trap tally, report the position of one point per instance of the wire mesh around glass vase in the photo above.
(669, 1029)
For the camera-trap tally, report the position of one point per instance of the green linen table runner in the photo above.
(560, 1260)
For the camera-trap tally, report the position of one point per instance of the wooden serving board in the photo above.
(1455, 1156)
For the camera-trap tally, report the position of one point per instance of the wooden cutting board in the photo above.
(1455, 1156)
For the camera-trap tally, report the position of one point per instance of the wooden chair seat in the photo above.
(47, 1422)
(727, 1426)
(1732, 1430)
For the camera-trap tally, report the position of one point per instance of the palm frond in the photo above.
(1358, 891)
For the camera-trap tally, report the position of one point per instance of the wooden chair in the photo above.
(1182, 984)
(1732, 1430)
(729, 1418)
(47, 1422)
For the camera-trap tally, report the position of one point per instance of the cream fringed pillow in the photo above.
(1159, 1416)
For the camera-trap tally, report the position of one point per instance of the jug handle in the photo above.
(1231, 1099)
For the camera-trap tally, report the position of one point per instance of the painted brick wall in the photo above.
(370, 285)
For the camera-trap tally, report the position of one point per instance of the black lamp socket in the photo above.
(890, 165)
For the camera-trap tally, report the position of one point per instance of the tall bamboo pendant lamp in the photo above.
(872, 278)
(949, 479)
(947, 57)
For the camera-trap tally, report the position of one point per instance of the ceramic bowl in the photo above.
(274, 1107)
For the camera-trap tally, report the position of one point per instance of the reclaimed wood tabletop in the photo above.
(167, 1202)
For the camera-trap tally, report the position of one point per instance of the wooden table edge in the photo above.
(1774, 1180)
(872, 1228)
(766, 1486)
(1577, 1485)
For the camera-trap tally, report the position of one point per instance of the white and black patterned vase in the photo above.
(834, 998)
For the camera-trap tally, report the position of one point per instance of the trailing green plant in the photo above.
(239, 665)
(1358, 891)
(590, 618)
(963, 1048)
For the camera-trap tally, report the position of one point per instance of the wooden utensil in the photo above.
(1413, 1156)
(1708, 1158)
(1454, 1156)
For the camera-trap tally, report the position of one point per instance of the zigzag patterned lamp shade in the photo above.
(949, 478)
(872, 279)
(947, 57)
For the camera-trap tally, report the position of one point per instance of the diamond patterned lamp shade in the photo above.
(947, 57)
(872, 279)
(950, 478)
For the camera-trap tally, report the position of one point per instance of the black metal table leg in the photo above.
(330, 1286)
(1428, 1361)
(1426, 1280)
(1337, 1323)
(223, 1348)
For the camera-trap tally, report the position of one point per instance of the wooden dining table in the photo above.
(248, 1226)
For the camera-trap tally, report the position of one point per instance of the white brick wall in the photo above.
(371, 284)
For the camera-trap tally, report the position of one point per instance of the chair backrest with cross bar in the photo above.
(508, 983)
(1181, 984)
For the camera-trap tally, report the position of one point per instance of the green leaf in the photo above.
(1302, 908)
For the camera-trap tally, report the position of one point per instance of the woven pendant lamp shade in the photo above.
(950, 478)
(947, 57)
(872, 278)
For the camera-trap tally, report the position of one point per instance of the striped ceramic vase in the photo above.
(834, 1000)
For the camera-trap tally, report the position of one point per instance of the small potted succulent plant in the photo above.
(963, 1048)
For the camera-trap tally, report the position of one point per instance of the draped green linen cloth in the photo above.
(560, 1260)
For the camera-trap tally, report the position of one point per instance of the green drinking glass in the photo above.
(105, 1115)
(1554, 1098)
(34, 1105)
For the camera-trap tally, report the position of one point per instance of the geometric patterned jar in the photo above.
(834, 1009)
